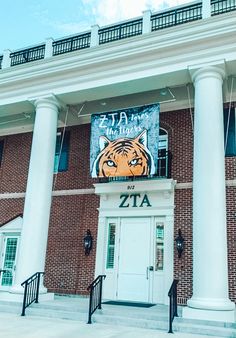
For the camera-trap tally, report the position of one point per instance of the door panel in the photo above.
(134, 260)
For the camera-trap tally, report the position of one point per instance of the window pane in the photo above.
(9, 260)
(159, 264)
(62, 153)
(111, 245)
(230, 122)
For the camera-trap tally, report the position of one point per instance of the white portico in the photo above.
(135, 239)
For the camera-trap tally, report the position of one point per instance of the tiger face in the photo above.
(124, 157)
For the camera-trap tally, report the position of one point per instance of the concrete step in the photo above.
(156, 317)
(205, 329)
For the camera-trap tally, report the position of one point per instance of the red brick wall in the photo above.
(68, 270)
(10, 208)
(15, 163)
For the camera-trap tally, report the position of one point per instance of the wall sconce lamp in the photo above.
(179, 243)
(88, 242)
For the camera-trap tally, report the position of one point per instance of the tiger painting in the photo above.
(124, 157)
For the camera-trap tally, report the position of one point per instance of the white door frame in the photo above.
(161, 197)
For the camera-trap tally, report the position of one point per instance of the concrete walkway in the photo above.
(14, 326)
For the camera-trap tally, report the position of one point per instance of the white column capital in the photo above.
(48, 102)
(207, 72)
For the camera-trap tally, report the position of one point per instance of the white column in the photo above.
(147, 21)
(94, 36)
(49, 48)
(34, 234)
(6, 61)
(210, 272)
(206, 9)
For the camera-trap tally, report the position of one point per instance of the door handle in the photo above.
(151, 268)
(147, 272)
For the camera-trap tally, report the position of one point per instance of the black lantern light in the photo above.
(88, 242)
(179, 243)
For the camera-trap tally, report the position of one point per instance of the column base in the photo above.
(215, 304)
(215, 315)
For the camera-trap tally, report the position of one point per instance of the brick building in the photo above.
(48, 199)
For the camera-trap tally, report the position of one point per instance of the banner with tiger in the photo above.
(125, 142)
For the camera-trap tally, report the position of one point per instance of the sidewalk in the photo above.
(15, 326)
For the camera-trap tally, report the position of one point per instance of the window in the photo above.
(111, 245)
(162, 167)
(9, 261)
(62, 152)
(230, 137)
(159, 264)
(163, 139)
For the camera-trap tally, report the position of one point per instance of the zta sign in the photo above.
(134, 201)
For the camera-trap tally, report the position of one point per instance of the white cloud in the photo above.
(105, 12)
(112, 11)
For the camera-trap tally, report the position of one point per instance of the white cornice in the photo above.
(160, 185)
(163, 52)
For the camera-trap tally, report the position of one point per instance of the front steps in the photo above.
(156, 317)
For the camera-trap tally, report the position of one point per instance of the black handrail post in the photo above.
(95, 299)
(100, 293)
(173, 310)
(24, 300)
(175, 302)
(170, 319)
(90, 306)
(37, 288)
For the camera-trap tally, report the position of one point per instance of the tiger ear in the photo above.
(142, 138)
(103, 142)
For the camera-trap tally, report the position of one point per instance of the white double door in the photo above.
(135, 260)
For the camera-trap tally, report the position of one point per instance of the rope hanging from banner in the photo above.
(61, 145)
(229, 110)
(190, 107)
(81, 108)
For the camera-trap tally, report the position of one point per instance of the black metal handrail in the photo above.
(176, 17)
(31, 292)
(222, 6)
(120, 31)
(95, 299)
(71, 44)
(27, 55)
(173, 311)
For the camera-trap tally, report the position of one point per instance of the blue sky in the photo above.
(25, 23)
